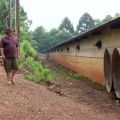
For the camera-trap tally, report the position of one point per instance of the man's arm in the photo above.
(2, 49)
(18, 48)
(18, 52)
(2, 53)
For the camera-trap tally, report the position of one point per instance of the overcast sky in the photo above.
(50, 13)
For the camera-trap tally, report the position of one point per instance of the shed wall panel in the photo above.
(90, 67)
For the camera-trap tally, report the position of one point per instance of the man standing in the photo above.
(10, 52)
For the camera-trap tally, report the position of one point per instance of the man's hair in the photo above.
(8, 30)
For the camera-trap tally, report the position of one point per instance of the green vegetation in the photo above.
(67, 74)
(27, 49)
(43, 40)
(3, 14)
(78, 76)
(85, 23)
(67, 25)
(97, 85)
(33, 69)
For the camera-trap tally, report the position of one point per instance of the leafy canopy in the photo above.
(66, 25)
(85, 23)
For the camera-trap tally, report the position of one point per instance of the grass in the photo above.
(36, 71)
(61, 72)
(67, 74)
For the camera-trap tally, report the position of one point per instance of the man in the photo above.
(10, 53)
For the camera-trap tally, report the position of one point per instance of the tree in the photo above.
(67, 25)
(86, 22)
(107, 18)
(63, 36)
(56, 36)
(38, 33)
(51, 37)
(117, 15)
(97, 22)
(45, 40)
(25, 24)
(3, 13)
(23, 19)
(39, 36)
(34, 44)
(27, 50)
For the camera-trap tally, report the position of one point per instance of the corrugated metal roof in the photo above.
(116, 20)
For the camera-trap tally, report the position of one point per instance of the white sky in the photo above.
(50, 13)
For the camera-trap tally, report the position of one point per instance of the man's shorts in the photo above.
(10, 64)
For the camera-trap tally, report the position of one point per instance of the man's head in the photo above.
(9, 32)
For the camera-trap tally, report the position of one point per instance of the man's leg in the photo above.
(7, 66)
(12, 76)
(14, 69)
(8, 77)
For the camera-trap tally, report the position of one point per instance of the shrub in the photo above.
(33, 68)
(78, 76)
(27, 49)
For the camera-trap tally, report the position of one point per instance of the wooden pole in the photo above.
(17, 18)
(10, 15)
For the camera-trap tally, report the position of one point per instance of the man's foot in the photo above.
(12, 82)
(8, 83)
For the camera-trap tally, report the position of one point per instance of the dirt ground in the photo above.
(73, 100)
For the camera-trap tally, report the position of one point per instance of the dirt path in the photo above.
(29, 101)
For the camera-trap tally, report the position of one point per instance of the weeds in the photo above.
(78, 76)
(33, 69)
(66, 73)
